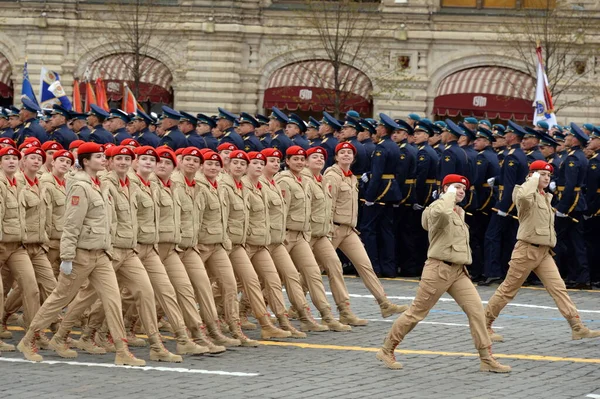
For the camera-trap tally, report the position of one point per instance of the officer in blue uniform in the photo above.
(295, 130)
(366, 137)
(500, 143)
(453, 160)
(349, 133)
(61, 133)
(501, 234)
(327, 131)
(435, 141)
(561, 149)
(262, 132)
(187, 125)
(5, 129)
(531, 142)
(592, 215)
(30, 126)
(247, 125)
(96, 118)
(205, 126)
(312, 132)
(225, 123)
(80, 126)
(172, 137)
(548, 149)
(486, 167)
(381, 194)
(144, 135)
(277, 123)
(118, 121)
(570, 250)
(465, 142)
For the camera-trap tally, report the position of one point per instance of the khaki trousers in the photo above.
(44, 277)
(95, 266)
(15, 259)
(289, 275)
(437, 278)
(54, 257)
(265, 268)
(246, 275)
(220, 270)
(131, 276)
(198, 277)
(304, 260)
(527, 258)
(346, 239)
(328, 259)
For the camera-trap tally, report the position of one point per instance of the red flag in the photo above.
(101, 95)
(129, 103)
(90, 97)
(76, 96)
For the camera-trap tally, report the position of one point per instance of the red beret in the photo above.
(541, 165)
(226, 146)
(9, 151)
(213, 156)
(63, 153)
(121, 150)
(9, 141)
(75, 144)
(36, 142)
(109, 145)
(131, 142)
(257, 155)
(272, 152)
(90, 148)
(146, 150)
(316, 150)
(205, 150)
(449, 179)
(166, 152)
(35, 151)
(192, 151)
(239, 154)
(30, 144)
(345, 145)
(51, 145)
(295, 150)
(178, 151)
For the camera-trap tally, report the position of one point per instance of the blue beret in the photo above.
(142, 116)
(515, 128)
(97, 111)
(546, 140)
(485, 134)
(425, 127)
(579, 134)
(353, 114)
(206, 120)
(312, 122)
(263, 120)
(543, 124)
(60, 110)
(29, 105)
(117, 113)
(596, 132)
(185, 117)
(224, 114)
(170, 113)
(331, 121)
(276, 113)
(498, 129)
(454, 128)
(368, 125)
(247, 118)
(353, 122)
(470, 119)
(587, 126)
(439, 126)
(414, 117)
(557, 127)
(486, 122)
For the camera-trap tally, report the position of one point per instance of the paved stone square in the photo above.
(438, 357)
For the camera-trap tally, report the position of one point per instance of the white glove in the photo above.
(451, 189)
(503, 214)
(434, 194)
(561, 215)
(535, 175)
(364, 178)
(367, 203)
(491, 181)
(585, 217)
(552, 186)
(418, 207)
(66, 267)
(396, 206)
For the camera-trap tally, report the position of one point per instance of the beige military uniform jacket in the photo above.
(214, 216)
(56, 195)
(12, 214)
(148, 213)
(297, 197)
(124, 218)
(237, 199)
(87, 218)
(344, 196)
(448, 232)
(33, 200)
(276, 210)
(258, 218)
(536, 216)
(321, 217)
(170, 225)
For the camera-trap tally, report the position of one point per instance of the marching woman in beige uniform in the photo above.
(445, 271)
(533, 253)
(344, 193)
(84, 250)
(179, 224)
(298, 196)
(277, 216)
(236, 198)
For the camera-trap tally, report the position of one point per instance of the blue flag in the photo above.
(51, 91)
(26, 89)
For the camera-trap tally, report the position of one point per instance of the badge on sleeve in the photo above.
(75, 200)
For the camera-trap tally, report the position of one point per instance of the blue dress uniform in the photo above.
(146, 136)
(121, 133)
(382, 192)
(453, 160)
(570, 250)
(210, 140)
(84, 133)
(438, 128)
(62, 134)
(329, 142)
(251, 142)
(592, 215)
(299, 139)
(313, 124)
(361, 161)
(265, 139)
(534, 154)
(501, 234)
(368, 143)
(486, 167)
(470, 202)
(99, 134)
(230, 135)
(173, 137)
(279, 140)
(193, 138)
(7, 132)
(31, 127)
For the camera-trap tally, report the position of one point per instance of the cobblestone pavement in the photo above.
(438, 356)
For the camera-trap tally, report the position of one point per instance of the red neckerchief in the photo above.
(348, 173)
(258, 185)
(96, 181)
(13, 182)
(60, 182)
(319, 178)
(190, 183)
(238, 185)
(144, 182)
(168, 182)
(124, 183)
(31, 182)
(272, 182)
(215, 184)
(298, 178)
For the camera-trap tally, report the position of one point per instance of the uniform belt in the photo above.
(562, 188)
(430, 181)
(501, 187)
(487, 185)
(388, 176)
(409, 181)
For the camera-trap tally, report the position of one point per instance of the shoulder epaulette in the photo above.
(571, 152)
(511, 151)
